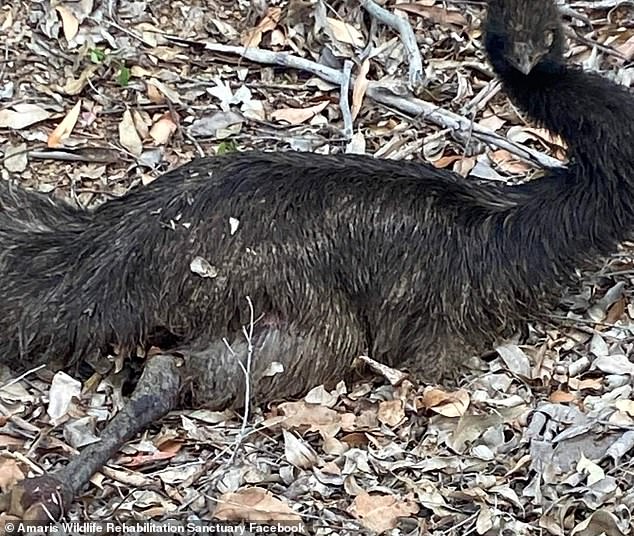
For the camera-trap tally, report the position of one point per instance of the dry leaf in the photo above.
(141, 122)
(616, 311)
(319, 396)
(128, 136)
(253, 37)
(627, 49)
(10, 442)
(163, 129)
(141, 459)
(16, 158)
(7, 22)
(492, 122)
(211, 125)
(589, 383)
(70, 24)
(165, 91)
(274, 368)
(438, 15)
(74, 86)
(297, 116)
(311, 417)
(484, 522)
(621, 447)
(278, 38)
(356, 439)
(515, 359)
(600, 523)
(140, 72)
(360, 87)
(614, 364)
(234, 223)
(508, 162)
(391, 412)
(394, 376)
(10, 473)
(357, 144)
(298, 453)
(588, 467)
(63, 389)
(22, 116)
(464, 166)
(445, 161)
(447, 404)
(431, 497)
(626, 406)
(253, 504)
(202, 267)
(381, 512)
(521, 134)
(562, 397)
(155, 95)
(65, 127)
(346, 33)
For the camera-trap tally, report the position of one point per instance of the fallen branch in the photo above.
(459, 124)
(600, 4)
(344, 101)
(483, 97)
(408, 38)
(381, 94)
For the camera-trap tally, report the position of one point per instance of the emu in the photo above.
(339, 255)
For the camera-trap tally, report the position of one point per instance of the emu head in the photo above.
(521, 35)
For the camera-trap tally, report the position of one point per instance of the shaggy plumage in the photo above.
(340, 255)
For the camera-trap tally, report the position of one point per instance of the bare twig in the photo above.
(600, 4)
(246, 369)
(96, 155)
(607, 49)
(6, 60)
(21, 377)
(459, 124)
(376, 91)
(408, 38)
(344, 100)
(573, 14)
(483, 97)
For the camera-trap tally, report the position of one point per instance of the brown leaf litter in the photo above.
(536, 440)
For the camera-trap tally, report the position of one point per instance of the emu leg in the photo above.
(215, 372)
(278, 363)
(47, 496)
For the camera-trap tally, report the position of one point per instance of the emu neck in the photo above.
(578, 214)
(593, 115)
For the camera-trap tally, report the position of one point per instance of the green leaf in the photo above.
(225, 147)
(124, 76)
(97, 55)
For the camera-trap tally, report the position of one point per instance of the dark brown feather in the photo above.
(340, 255)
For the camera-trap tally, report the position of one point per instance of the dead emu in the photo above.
(339, 255)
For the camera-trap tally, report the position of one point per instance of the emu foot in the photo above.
(46, 498)
(43, 499)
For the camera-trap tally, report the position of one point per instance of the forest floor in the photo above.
(99, 97)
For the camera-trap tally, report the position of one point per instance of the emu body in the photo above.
(339, 255)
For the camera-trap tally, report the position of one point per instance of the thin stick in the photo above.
(453, 121)
(598, 4)
(344, 101)
(408, 38)
(22, 376)
(247, 380)
(379, 93)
